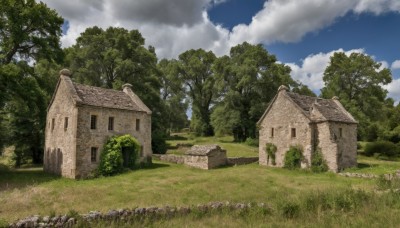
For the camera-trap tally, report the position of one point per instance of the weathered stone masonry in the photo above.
(72, 148)
(310, 122)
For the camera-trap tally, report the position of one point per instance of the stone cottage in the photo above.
(311, 123)
(80, 118)
(205, 156)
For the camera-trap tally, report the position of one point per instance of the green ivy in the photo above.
(270, 148)
(318, 163)
(293, 157)
(111, 160)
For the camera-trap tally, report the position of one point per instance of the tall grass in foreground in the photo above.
(343, 208)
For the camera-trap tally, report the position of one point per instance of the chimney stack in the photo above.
(65, 72)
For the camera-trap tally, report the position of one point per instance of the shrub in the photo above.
(293, 157)
(384, 148)
(251, 142)
(111, 160)
(359, 146)
(270, 148)
(318, 163)
(158, 144)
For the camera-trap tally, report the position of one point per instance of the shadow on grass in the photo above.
(24, 177)
(156, 166)
(365, 165)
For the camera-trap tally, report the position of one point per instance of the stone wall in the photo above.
(171, 158)
(242, 160)
(340, 152)
(200, 162)
(124, 123)
(283, 116)
(60, 150)
(138, 214)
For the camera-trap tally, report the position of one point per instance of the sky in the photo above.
(302, 34)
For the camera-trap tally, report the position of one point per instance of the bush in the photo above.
(289, 209)
(158, 144)
(251, 142)
(359, 146)
(111, 160)
(293, 157)
(270, 148)
(318, 163)
(383, 148)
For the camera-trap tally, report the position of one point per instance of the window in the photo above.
(272, 132)
(93, 121)
(110, 123)
(137, 124)
(340, 132)
(53, 122)
(65, 123)
(93, 154)
(293, 132)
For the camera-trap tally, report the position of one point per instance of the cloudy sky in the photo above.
(302, 34)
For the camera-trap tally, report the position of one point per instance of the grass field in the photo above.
(226, 142)
(30, 191)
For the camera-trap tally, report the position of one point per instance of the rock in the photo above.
(64, 219)
(46, 219)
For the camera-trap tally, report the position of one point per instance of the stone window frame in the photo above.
(111, 123)
(93, 121)
(53, 123)
(94, 154)
(137, 125)
(65, 123)
(293, 132)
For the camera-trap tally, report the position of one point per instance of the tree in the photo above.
(173, 94)
(195, 71)
(247, 80)
(29, 32)
(357, 80)
(115, 56)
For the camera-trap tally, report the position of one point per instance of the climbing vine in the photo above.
(111, 158)
(293, 157)
(270, 148)
(318, 163)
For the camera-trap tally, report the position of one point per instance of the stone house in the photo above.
(205, 156)
(80, 118)
(311, 123)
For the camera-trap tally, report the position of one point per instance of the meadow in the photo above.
(296, 198)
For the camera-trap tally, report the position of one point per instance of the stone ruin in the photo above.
(205, 156)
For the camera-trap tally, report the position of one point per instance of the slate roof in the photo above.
(203, 150)
(328, 108)
(108, 98)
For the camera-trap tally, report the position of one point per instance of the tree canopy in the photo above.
(357, 80)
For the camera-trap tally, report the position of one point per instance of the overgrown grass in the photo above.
(374, 166)
(163, 184)
(233, 149)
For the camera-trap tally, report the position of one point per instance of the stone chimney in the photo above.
(65, 72)
(127, 87)
(282, 88)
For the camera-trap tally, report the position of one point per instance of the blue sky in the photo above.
(301, 33)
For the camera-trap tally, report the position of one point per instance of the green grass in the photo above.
(233, 149)
(374, 166)
(29, 191)
(163, 184)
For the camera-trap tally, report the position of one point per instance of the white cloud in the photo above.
(174, 26)
(384, 65)
(394, 89)
(313, 66)
(396, 65)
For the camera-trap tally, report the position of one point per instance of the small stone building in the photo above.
(311, 123)
(205, 156)
(81, 118)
